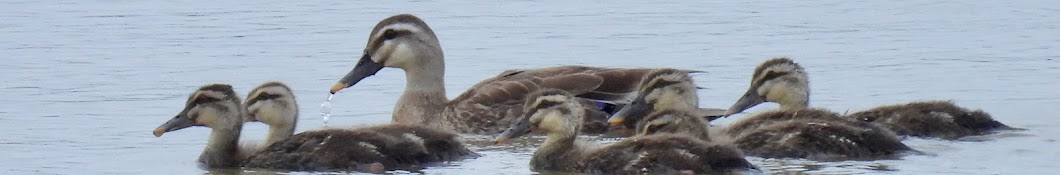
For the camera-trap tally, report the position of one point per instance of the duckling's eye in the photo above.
(389, 34)
(205, 99)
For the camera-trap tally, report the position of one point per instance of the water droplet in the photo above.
(325, 109)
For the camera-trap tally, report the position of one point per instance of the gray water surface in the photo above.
(86, 81)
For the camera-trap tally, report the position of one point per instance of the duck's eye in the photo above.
(389, 34)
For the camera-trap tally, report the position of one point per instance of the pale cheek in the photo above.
(400, 55)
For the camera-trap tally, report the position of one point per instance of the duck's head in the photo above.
(778, 80)
(672, 121)
(272, 103)
(663, 89)
(215, 106)
(401, 41)
(551, 110)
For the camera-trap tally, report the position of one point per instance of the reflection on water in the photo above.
(86, 81)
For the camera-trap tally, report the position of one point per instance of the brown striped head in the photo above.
(779, 80)
(272, 103)
(663, 89)
(551, 110)
(216, 106)
(676, 122)
(401, 41)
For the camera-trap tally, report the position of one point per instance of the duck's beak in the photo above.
(178, 122)
(749, 99)
(364, 68)
(629, 114)
(520, 128)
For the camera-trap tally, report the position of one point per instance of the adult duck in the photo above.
(406, 42)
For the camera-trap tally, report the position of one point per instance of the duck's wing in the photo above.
(441, 145)
(492, 104)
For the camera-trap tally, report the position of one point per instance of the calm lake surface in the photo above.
(85, 82)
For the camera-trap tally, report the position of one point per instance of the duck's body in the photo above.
(406, 42)
(395, 147)
(552, 111)
(373, 149)
(813, 134)
(936, 119)
(796, 131)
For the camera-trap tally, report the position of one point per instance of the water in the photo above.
(325, 109)
(86, 81)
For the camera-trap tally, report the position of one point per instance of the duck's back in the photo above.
(820, 140)
(493, 104)
(941, 119)
(776, 116)
(340, 149)
(441, 145)
(664, 153)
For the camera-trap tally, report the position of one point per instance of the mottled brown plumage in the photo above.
(937, 119)
(406, 42)
(813, 134)
(552, 111)
(395, 146)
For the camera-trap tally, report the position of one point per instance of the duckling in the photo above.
(215, 106)
(798, 132)
(273, 103)
(371, 149)
(934, 119)
(556, 113)
(406, 42)
(941, 119)
(660, 90)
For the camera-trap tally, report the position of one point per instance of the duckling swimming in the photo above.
(406, 42)
(940, 119)
(798, 132)
(364, 149)
(555, 112)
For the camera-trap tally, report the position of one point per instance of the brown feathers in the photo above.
(939, 119)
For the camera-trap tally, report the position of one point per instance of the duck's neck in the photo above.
(794, 98)
(222, 149)
(556, 149)
(278, 132)
(424, 98)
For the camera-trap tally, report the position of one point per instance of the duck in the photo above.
(366, 149)
(557, 113)
(272, 103)
(929, 119)
(663, 90)
(797, 131)
(406, 42)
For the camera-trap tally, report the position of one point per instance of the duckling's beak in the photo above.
(629, 114)
(618, 117)
(364, 68)
(749, 99)
(178, 122)
(520, 128)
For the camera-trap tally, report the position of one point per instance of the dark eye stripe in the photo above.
(771, 75)
(263, 96)
(546, 104)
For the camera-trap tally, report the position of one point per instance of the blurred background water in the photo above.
(86, 81)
